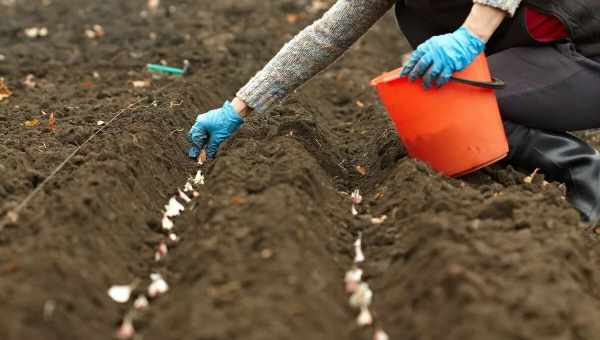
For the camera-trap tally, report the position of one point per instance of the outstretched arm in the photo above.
(310, 52)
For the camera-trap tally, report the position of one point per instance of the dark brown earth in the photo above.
(265, 246)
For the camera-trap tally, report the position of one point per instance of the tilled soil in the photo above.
(265, 246)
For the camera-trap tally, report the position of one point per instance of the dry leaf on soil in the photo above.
(141, 83)
(31, 123)
(4, 91)
(292, 18)
(52, 122)
(153, 4)
(203, 157)
(379, 220)
(362, 170)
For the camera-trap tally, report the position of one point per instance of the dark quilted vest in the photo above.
(582, 17)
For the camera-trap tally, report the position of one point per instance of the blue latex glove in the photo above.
(212, 128)
(439, 57)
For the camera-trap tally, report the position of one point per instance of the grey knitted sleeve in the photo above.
(508, 5)
(312, 50)
(319, 45)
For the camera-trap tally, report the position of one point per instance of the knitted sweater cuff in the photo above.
(261, 94)
(509, 6)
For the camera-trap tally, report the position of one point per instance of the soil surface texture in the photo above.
(264, 247)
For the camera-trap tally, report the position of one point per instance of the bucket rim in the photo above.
(387, 77)
(394, 75)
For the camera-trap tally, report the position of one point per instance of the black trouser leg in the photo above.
(560, 157)
(551, 90)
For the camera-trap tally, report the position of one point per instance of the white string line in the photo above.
(14, 213)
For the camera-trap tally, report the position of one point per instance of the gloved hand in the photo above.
(439, 57)
(212, 128)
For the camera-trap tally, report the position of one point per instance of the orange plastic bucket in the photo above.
(456, 129)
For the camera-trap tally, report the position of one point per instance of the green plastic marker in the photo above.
(168, 69)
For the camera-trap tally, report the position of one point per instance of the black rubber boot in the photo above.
(560, 157)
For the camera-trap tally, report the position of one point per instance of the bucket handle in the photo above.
(495, 84)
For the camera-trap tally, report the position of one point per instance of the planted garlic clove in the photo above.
(158, 286)
(120, 294)
(362, 296)
(199, 178)
(354, 275)
(153, 4)
(364, 318)
(380, 334)
(141, 303)
(352, 279)
(203, 157)
(184, 197)
(359, 255)
(167, 224)
(356, 197)
(32, 32)
(173, 237)
(174, 208)
(161, 251)
(126, 330)
(188, 187)
(351, 287)
(529, 179)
